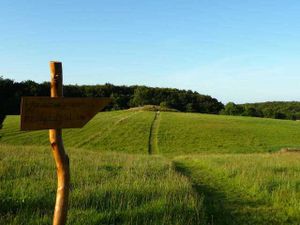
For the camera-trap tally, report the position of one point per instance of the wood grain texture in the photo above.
(58, 151)
(39, 113)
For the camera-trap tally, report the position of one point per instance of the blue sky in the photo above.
(241, 51)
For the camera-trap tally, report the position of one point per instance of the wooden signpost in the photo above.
(55, 113)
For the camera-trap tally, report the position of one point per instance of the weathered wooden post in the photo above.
(58, 151)
(55, 113)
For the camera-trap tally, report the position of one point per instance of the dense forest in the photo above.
(123, 97)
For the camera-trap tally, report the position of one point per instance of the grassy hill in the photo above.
(141, 167)
(182, 133)
(177, 133)
(117, 131)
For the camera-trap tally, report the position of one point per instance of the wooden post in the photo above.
(60, 157)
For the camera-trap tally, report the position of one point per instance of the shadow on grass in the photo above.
(13, 206)
(229, 207)
(140, 215)
(35, 211)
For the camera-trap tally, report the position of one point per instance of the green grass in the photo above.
(246, 189)
(185, 133)
(178, 133)
(107, 188)
(122, 131)
(115, 181)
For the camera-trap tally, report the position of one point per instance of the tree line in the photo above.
(123, 97)
(275, 110)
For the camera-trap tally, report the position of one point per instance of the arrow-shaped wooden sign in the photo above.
(39, 113)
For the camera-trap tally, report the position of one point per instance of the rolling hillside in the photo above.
(173, 133)
(141, 167)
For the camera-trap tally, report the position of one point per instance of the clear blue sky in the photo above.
(234, 50)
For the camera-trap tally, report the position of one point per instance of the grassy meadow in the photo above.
(122, 131)
(106, 188)
(246, 188)
(178, 133)
(140, 167)
(186, 133)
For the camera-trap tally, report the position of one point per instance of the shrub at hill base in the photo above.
(232, 109)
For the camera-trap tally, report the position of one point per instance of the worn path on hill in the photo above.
(153, 145)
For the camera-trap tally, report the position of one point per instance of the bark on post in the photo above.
(60, 157)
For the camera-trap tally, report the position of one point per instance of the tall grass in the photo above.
(107, 188)
(247, 189)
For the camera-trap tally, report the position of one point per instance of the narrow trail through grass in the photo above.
(153, 143)
(245, 189)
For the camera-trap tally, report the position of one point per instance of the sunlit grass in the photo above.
(112, 186)
(247, 189)
(107, 188)
(123, 131)
(178, 133)
(186, 133)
